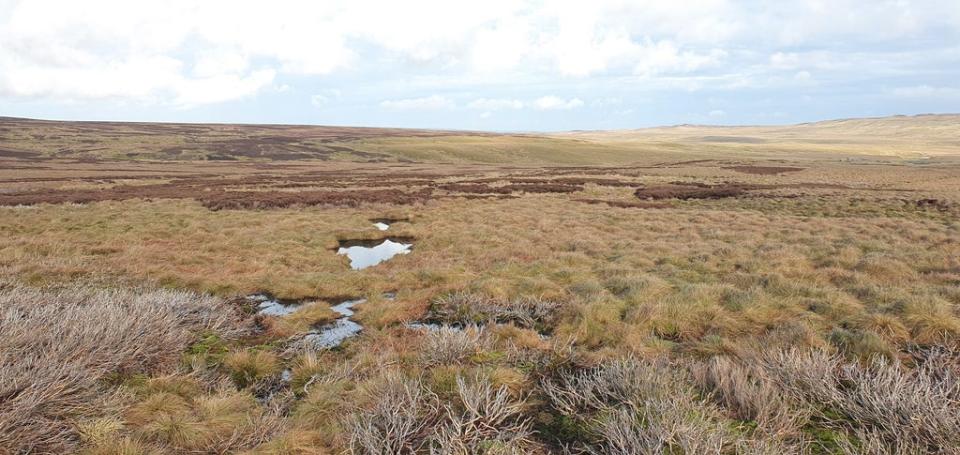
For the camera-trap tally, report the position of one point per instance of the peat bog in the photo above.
(700, 304)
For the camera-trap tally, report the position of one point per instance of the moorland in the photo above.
(173, 288)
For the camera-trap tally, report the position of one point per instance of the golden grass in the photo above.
(248, 366)
(855, 273)
(922, 136)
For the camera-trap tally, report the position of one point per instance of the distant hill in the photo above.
(929, 135)
(900, 136)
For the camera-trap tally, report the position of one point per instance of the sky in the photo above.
(479, 65)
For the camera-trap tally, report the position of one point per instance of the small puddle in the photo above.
(331, 335)
(367, 253)
(321, 337)
(273, 307)
(383, 224)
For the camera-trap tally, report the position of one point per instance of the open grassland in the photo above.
(908, 137)
(922, 137)
(672, 305)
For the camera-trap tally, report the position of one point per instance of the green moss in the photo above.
(825, 440)
(209, 348)
(488, 357)
(562, 429)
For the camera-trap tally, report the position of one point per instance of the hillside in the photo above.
(902, 136)
(898, 137)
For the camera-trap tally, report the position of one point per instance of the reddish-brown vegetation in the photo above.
(694, 191)
(279, 199)
(543, 188)
(627, 204)
(764, 170)
(580, 181)
(473, 188)
(938, 204)
(220, 142)
(478, 188)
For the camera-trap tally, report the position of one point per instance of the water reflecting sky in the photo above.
(362, 257)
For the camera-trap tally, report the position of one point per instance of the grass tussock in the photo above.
(248, 366)
(787, 312)
(60, 345)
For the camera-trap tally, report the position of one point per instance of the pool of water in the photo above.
(367, 253)
(276, 308)
(383, 224)
(267, 305)
(331, 335)
(323, 336)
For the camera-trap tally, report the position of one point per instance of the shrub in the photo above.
(448, 345)
(464, 308)
(751, 395)
(487, 421)
(58, 345)
(881, 401)
(400, 419)
(636, 407)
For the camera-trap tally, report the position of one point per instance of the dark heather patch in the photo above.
(764, 170)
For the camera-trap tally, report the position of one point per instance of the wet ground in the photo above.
(323, 336)
(368, 253)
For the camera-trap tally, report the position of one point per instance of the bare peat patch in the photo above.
(694, 191)
(627, 204)
(764, 170)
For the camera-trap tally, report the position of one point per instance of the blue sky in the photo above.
(492, 65)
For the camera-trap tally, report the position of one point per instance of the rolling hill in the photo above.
(907, 137)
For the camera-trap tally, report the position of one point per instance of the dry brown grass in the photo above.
(782, 319)
(637, 407)
(751, 395)
(59, 345)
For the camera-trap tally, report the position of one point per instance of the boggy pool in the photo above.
(367, 253)
(323, 336)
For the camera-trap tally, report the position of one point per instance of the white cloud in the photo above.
(926, 91)
(322, 99)
(495, 104)
(556, 103)
(607, 102)
(664, 57)
(716, 113)
(784, 60)
(433, 102)
(502, 46)
(218, 63)
(188, 53)
(319, 100)
(217, 89)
